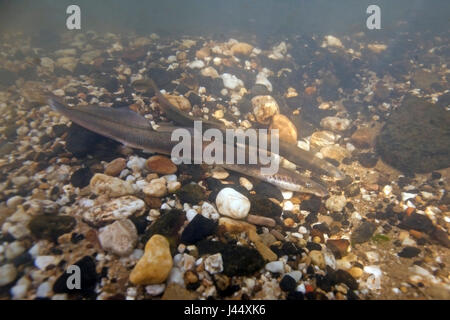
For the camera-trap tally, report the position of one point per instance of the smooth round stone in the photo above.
(8, 274)
(119, 237)
(275, 267)
(231, 203)
(161, 164)
(336, 203)
(115, 167)
(286, 129)
(156, 263)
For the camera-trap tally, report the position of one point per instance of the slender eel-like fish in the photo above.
(133, 130)
(291, 152)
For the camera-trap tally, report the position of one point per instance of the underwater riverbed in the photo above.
(140, 227)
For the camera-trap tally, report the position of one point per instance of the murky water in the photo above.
(92, 206)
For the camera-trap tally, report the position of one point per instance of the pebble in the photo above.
(275, 267)
(44, 290)
(155, 289)
(335, 152)
(119, 237)
(286, 129)
(317, 259)
(233, 204)
(356, 272)
(364, 137)
(173, 186)
(14, 249)
(231, 81)
(136, 164)
(14, 201)
(198, 228)
(196, 64)
(214, 263)
(264, 108)
(245, 183)
(203, 53)
(42, 262)
(376, 47)
(288, 284)
(115, 167)
(8, 274)
(210, 72)
(102, 184)
(332, 41)
(180, 102)
(161, 165)
(241, 48)
(336, 203)
(335, 124)
(156, 188)
(409, 252)
(363, 233)
(322, 138)
(116, 209)
(156, 263)
(20, 289)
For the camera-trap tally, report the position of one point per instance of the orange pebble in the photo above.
(310, 90)
(409, 211)
(289, 222)
(416, 234)
(309, 288)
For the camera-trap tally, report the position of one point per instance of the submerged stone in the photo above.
(237, 260)
(51, 227)
(88, 279)
(192, 193)
(416, 137)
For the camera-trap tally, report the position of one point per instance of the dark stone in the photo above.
(415, 138)
(342, 276)
(259, 90)
(262, 206)
(23, 259)
(363, 233)
(110, 83)
(368, 159)
(313, 246)
(324, 282)
(88, 279)
(288, 284)
(417, 222)
(352, 190)
(198, 229)
(288, 248)
(50, 226)
(194, 99)
(81, 178)
(435, 175)
(192, 193)
(237, 260)
(140, 222)
(312, 205)
(167, 225)
(409, 252)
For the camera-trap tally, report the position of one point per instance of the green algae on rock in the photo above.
(416, 138)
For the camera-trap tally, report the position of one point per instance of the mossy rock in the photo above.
(167, 225)
(51, 227)
(416, 137)
(237, 260)
(192, 193)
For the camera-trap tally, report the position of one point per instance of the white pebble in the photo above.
(275, 267)
(233, 204)
(155, 289)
